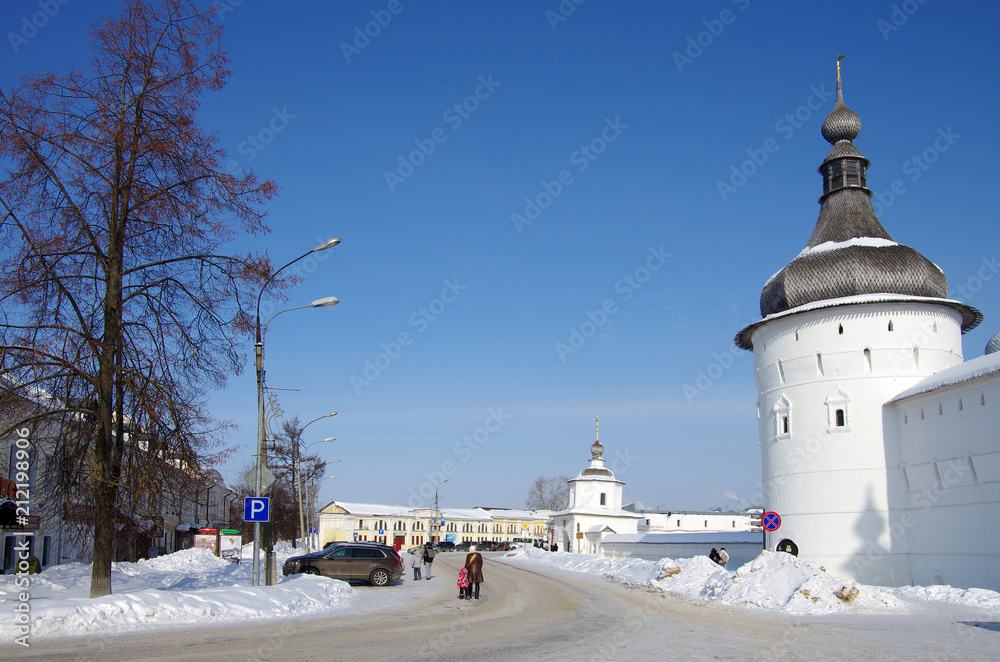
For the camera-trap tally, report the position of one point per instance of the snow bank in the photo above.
(774, 581)
(182, 588)
(149, 609)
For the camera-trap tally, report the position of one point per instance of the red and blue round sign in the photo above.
(770, 521)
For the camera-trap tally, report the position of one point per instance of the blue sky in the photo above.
(552, 239)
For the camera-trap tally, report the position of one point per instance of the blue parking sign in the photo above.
(256, 509)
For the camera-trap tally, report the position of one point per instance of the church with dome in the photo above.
(880, 443)
(595, 507)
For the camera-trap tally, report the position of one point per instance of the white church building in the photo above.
(880, 445)
(595, 508)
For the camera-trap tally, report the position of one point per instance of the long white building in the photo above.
(880, 446)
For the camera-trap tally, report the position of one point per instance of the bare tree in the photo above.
(116, 299)
(548, 493)
(287, 455)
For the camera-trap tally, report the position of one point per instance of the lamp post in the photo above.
(297, 463)
(312, 501)
(261, 441)
(298, 471)
(437, 513)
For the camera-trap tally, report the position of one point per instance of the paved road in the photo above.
(529, 614)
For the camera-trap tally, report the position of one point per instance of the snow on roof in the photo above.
(371, 508)
(601, 512)
(464, 513)
(723, 537)
(853, 241)
(963, 372)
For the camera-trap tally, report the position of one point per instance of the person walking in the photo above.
(723, 557)
(713, 556)
(429, 558)
(417, 562)
(474, 566)
(463, 583)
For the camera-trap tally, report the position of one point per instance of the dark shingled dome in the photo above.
(994, 344)
(849, 252)
(854, 264)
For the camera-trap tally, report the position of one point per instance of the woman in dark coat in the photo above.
(474, 566)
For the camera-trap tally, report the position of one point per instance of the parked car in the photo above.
(374, 563)
(445, 546)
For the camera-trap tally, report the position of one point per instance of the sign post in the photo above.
(769, 521)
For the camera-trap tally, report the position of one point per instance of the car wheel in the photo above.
(379, 577)
(309, 570)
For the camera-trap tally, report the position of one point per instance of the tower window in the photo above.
(837, 404)
(890, 325)
(840, 329)
(604, 499)
(784, 424)
(868, 359)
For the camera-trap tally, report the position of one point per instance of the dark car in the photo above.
(374, 563)
(445, 546)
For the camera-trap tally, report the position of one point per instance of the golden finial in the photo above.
(840, 94)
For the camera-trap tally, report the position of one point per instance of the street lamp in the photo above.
(298, 471)
(437, 513)
(312, 501)
(261, 442)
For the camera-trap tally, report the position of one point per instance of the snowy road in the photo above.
(528, 613)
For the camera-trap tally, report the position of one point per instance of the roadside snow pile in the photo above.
(152, 609)
(182, 588)
(774, 580)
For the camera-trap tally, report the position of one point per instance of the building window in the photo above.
(678, 524)
(837, 405)
(604, 499)
(782, 417)
(890, 325)
(868, 360)
(706, 524)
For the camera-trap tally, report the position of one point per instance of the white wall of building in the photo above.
(827, 477)
(948, 470)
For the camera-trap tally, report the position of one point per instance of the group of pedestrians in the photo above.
(721, 557)
(469, 577)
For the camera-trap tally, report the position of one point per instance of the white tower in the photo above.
(853, 320)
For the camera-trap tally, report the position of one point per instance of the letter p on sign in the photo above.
(255, 509)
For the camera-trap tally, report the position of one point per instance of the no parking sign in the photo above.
(770, 521)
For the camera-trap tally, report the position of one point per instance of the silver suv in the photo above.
(374, 563)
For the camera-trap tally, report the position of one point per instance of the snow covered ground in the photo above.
(181, 589)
